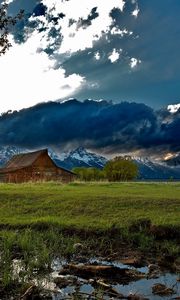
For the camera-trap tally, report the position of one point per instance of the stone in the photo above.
(102, 271)
(162, 290)
(64, 281)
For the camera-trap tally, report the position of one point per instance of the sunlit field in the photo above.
(89, 205)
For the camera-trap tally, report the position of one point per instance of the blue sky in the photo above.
(115, 50)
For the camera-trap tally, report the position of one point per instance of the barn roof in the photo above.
(20, 161)
(24, 160)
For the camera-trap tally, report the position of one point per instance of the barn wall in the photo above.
(2, 178)
(34, 175)
(66, 176)
(17, 177)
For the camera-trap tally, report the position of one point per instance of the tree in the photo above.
(89, 174)
(121, 169)
(6, 22)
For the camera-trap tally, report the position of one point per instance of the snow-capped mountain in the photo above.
(149, 169)
(80, 157)
(6, 152)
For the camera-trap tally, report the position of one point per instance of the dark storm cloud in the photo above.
(87, 22)
(103, 126)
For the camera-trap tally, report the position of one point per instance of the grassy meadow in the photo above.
(88, 205)
(42, 221)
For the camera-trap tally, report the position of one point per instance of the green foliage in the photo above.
(118, 169)
(121, 169)
(6, 22)
(89, 174)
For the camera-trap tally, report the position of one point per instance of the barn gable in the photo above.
(44, 160)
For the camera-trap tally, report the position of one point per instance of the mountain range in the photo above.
(80, 157)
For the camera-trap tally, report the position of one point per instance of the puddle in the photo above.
(87, 289)
(144, 287)
(140, 287)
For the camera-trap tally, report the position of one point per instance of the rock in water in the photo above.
(162, 290)
(102, 271)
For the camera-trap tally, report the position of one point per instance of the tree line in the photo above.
(118, 169)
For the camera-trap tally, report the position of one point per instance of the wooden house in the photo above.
(34, 166)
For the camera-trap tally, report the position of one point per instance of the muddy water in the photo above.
(85, 288)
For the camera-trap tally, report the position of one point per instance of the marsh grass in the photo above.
(33, 252)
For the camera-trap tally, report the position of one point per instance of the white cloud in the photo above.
(97, 56)
(173, 108)
(93, 85)
(75, 39)
(28, 77)
(114, 56)
(8, 1)
(135, 12)
(117, 31)
(134, 62)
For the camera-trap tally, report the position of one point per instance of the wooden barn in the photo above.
(34, 166)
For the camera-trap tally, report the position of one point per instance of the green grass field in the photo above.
(89, 205)
(39, 222)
